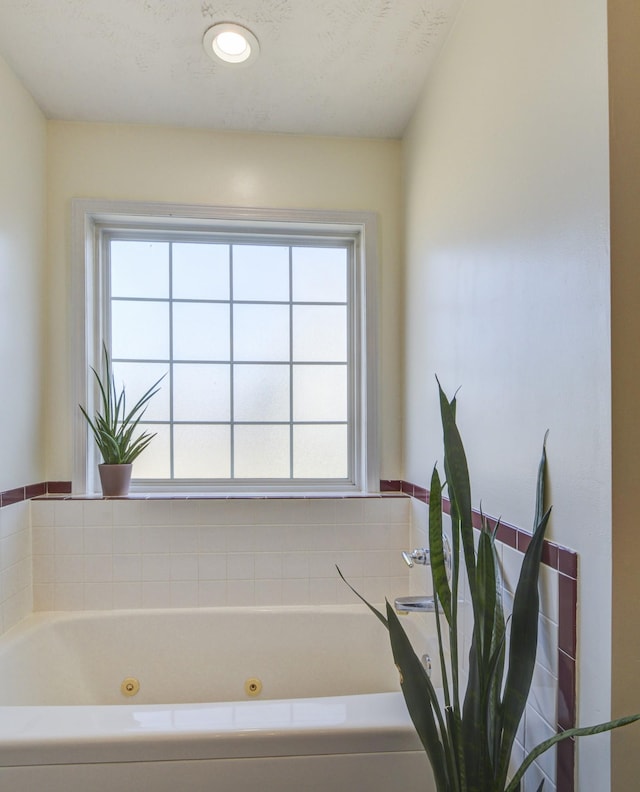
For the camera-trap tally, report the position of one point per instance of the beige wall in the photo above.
(187, 166)
(22, 231)
(507, 287)
(624, 71)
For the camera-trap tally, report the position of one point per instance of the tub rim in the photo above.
(85, 734)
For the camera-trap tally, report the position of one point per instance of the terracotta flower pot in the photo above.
(115, 479)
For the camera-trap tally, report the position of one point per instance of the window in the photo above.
(262, 323)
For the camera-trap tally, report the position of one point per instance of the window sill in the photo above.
(142, 496)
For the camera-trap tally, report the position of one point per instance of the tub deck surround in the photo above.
(35, 736)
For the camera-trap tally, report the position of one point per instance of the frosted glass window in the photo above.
(139, 269)
(320, 393)
(261, 393)
(200, 271)
(320, 333)
(202, 452)
(201, 392)
(137, 378)
(260, 272)
(261, 332)
(140, 330)
(258, 344)
(200, 331)
(320, 451)
(319, 274)
(262, 452)
(155, 461)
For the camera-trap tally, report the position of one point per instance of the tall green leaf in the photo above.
(422, 701)
(522, 646)
(458, 485)
(436, 547)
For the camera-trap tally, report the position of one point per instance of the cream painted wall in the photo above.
(220, 168)
(22, 288)
(624, 71)
(507, 287)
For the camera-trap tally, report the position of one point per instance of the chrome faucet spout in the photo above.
(415, 604)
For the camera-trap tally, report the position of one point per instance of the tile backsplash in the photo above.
(16, 594)
(155, 553)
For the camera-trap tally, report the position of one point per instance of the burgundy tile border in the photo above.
(18, 494)
(566, 683)
(568, 602)
(59, 488)
(9, 497)
(550, 555)
(565, 770)
(508, 535)
(390, 485)
(568, 563)
(35, 490)
(565, 562)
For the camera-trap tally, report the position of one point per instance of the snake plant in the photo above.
(113, 426)
(469, 740)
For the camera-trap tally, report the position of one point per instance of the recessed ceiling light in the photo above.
(231, 43)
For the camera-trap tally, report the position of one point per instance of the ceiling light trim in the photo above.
(230, 56)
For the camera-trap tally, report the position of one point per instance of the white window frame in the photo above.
(91, 218)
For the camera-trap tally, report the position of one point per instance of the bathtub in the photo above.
(285, 698)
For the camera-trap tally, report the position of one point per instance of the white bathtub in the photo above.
(329, 715)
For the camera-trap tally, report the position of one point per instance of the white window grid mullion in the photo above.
(232, 425)
(171, 370)
(291, 378)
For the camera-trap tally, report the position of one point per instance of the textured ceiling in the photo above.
(327, 67)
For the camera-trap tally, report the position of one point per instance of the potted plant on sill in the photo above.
(114, 430)
(469, 740)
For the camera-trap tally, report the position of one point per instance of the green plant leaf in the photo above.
(522, 646)
(473, 725)
(113, 427)
(458, 485)
(422, 701)
(478, 737)
(580, 731)
(373, 610)
(541, 485)
(436, 547)
(487, 592)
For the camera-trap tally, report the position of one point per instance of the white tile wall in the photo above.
(102, 554)
(16, 599)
